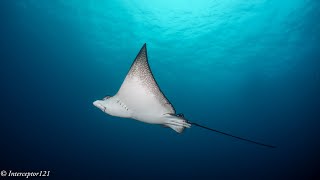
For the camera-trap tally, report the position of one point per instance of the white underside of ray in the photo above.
(141, 94)
(143, 104)
(140, 98)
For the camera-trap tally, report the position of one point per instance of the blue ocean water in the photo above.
(250, 68)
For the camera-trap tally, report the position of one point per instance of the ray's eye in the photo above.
(107, 97)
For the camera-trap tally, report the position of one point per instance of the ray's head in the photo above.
(102, 104)
(112, 106)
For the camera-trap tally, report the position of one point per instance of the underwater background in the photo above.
(249, 68)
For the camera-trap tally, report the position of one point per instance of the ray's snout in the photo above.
(97, 104)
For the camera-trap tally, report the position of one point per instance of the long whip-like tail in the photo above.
(258, 143)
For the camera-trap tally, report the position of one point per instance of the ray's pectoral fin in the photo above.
(140, 89)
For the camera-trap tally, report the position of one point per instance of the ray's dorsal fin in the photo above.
(140, 90)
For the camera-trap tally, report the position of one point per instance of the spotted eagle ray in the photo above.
(140, 98)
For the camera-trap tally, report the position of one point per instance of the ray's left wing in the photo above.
(140, 91)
